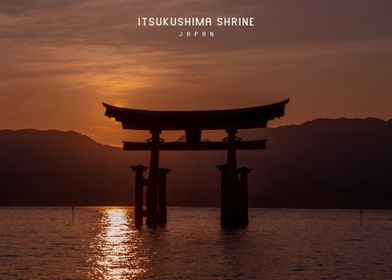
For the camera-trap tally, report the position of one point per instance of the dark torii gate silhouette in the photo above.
(234, 181)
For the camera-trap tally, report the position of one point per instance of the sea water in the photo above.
(102, 243)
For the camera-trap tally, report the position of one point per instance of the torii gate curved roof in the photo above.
(253, 117)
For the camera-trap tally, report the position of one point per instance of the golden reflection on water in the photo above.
(117, 252)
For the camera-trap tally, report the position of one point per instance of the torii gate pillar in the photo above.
(234, 187)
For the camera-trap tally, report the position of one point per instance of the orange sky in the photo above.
(61, 59)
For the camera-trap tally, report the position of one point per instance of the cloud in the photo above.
(63, 58)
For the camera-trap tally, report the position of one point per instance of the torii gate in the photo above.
(234, 182)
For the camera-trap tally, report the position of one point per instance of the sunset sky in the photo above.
(60, 59)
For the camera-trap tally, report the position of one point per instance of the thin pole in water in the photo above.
(73, 214)
(360, 217)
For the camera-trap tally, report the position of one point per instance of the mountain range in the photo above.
(324, 163)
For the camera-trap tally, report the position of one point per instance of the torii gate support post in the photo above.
(243, 195)
(230, 185)
(139, 183)
(153, 181)
(234, 196)
(162, 201)
(226, 215)
(231, 152)
(234, 187)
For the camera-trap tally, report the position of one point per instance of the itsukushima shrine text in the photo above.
(234, 180)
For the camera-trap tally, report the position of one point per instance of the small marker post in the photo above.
(73, 214)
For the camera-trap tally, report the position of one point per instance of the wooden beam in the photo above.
(183, 146)
(253, 117)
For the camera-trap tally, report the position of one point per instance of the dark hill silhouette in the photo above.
(322, 163)
(327, 163)
(54, 167)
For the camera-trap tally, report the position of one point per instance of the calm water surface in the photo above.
(102, 243)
